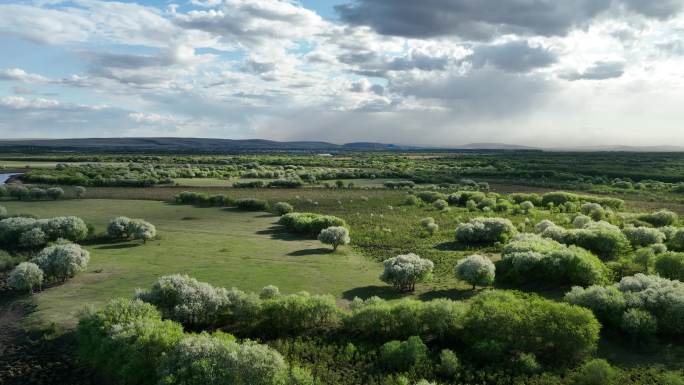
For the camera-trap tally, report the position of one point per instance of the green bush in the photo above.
(282, 208)
(403, 355)
(485, 231)
(533, 260)
(404, 271)
(299, 314)
(309, 223)
(660, 218)
(595, 372)
(499, 324)
(671, 266)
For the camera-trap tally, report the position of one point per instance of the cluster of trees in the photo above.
(54, 263)
(641, 305)
(130, 342)
(495, 328)
(24, 193)
(602, 238)
(30, 233)
(532, 260)
(124, 228)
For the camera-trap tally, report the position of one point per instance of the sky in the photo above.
(430, 72)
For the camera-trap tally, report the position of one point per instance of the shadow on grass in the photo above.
(279, 232)
(452, 246)
(305, 252)
(365, 292)
(117, 246)
(453, 294)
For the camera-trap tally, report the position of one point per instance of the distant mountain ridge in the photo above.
(210, 145)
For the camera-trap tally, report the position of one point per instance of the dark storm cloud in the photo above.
(598, 71)
(485, 19)
(516, 56)
(471, 19)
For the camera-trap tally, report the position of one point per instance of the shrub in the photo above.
(37, 193)
(595, 372)
(252, 204)
(299, 314)
(218, 359)
(62, 261)
(285, 183)
(403, 355)
(411, 200)
(55, 193)
(8, 261)
(430, 196)
(19, 192)
(25, 277)
(309, 223)
(449, 364)
(660, 218)
(33, 239)
(440, 204)
(282, 208)
(593, 210)
(674, 237)
(431, 228)
(184, 299)
(118, 227)
(519, 198)
(639, 323)
(462, 197)
(485, 231)
(531, 259)
(558, 198)
(543, 225)
(71, 228)
(643, 236)
(499, 324)
(269, 292)
(335, 236)
(404, 271)
(249, 184)
(139, 229)
(581, 221)
(79, 191)
(661, 297)
(476, 270)
(671, 266)
(126, 340)
(527, 206)
(601, 238)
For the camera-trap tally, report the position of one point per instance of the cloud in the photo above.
(487, 19)
(18, 74)
(600, 70)
(515, 56)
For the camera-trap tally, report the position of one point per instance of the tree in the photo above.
(55, 193)
(62, 261)
(25, 276)
(335, 236)
(476, 270)
(404, 271)
(140, 229)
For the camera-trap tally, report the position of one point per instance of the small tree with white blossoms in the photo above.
(62, 261)
(140, 229)
(335, 236)
(25, 277)
(404, 271)
(476, 270)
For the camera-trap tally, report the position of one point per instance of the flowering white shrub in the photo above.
(269, 292)
(543, 225)
(485, 231)
(643, 236)
(62, 261)
(33, 239)
(526, 206)
(404, 271)
(334, 236)
(581, 221)
(476, 270)
(25, 277)
(440, 204)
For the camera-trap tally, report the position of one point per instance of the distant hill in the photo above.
(494, 146)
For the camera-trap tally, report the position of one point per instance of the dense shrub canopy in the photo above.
(601, 238)
(485, 231)
(127, 228)
(309, 223)
(252, 204)
(643, 236)
(660, 218)
(62, 261)
(531, 259)
(500, 323)
(299, 314)
(404, 271)
(25, 277)
(282, 208)
(661, 297)
(476, 270)
(671, 265)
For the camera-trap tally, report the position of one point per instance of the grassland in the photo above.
(222, 246)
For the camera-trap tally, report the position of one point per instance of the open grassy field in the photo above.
(222, 246)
